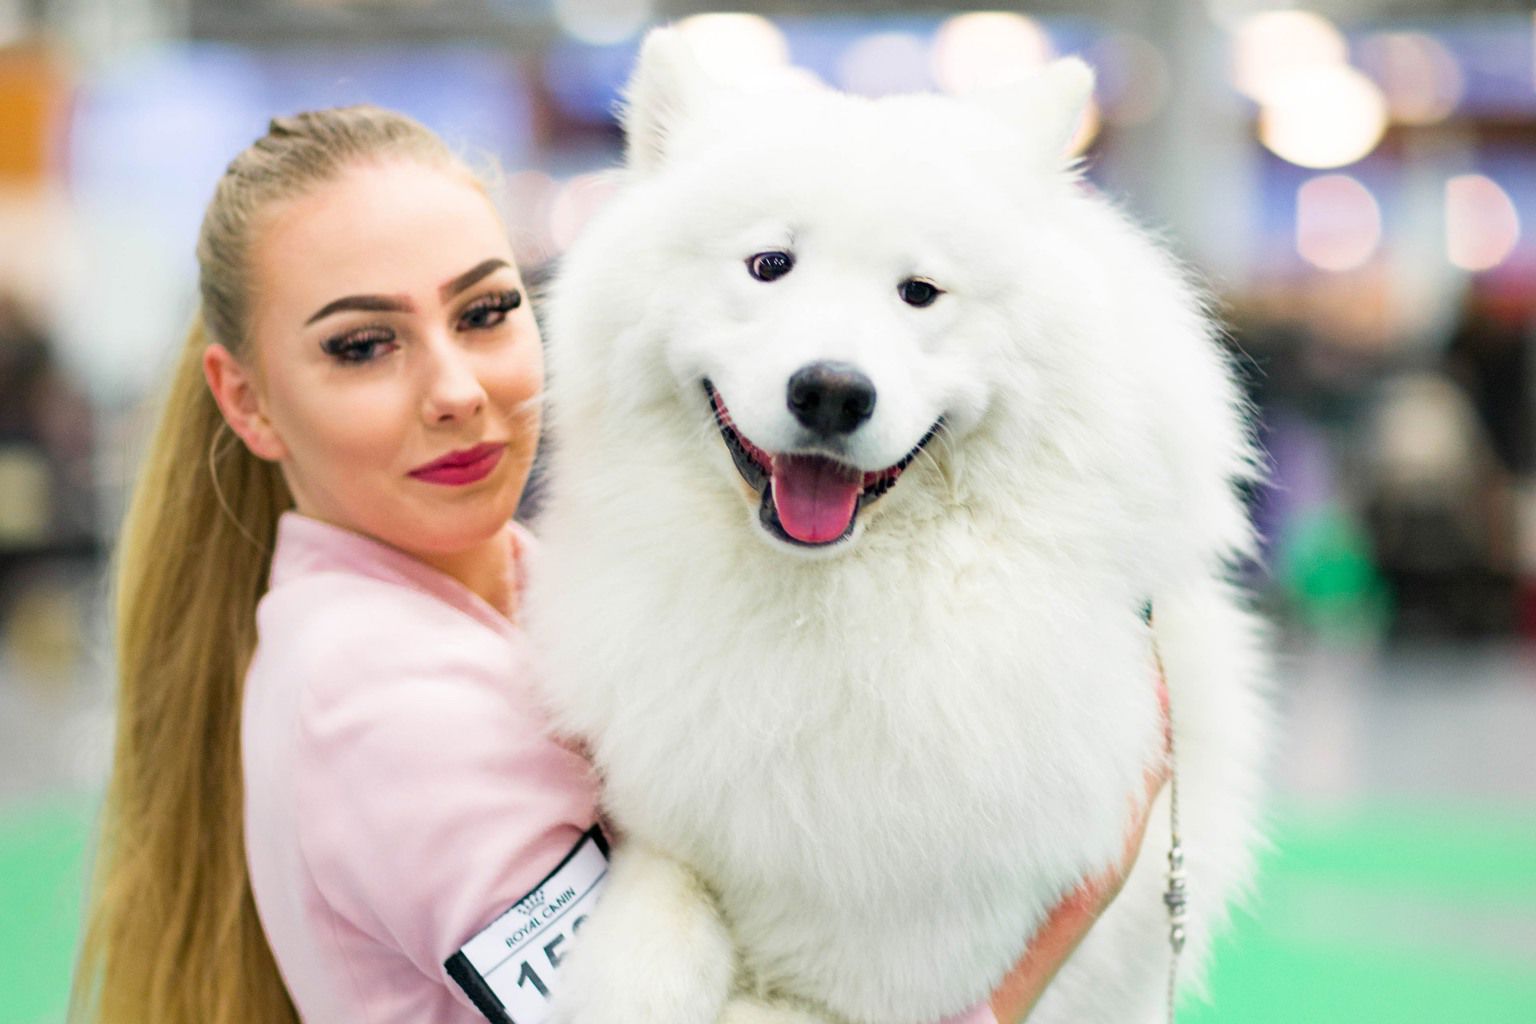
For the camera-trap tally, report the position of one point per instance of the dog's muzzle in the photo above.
(808, 498)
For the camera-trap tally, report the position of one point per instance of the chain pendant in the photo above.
(1174, 898)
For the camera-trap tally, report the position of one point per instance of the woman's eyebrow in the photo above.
(469, 277)
(401, 304)
(367, 303)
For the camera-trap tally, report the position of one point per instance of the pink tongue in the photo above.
(815, 497)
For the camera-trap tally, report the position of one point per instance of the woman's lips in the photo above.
(462, 467)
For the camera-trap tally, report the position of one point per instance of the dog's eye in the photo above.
(915, 291)
(770, 266)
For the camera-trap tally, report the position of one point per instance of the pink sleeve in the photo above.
(432, 798)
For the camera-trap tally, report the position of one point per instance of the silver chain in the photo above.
(1175, 898)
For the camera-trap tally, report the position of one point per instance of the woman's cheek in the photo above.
(514, 381)
(519, 370)
(359, 431)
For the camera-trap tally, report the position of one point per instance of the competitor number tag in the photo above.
(509, 969)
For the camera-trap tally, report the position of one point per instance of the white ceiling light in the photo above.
(1323, 117)
(736, 48)
(986, 48)
(1269, 47)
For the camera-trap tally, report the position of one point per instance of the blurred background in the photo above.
(1356, 180)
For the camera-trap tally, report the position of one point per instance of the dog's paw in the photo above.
(654, 951)
(748, 1010)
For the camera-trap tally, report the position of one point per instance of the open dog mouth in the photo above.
(807, 498)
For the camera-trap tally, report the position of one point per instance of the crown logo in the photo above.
(528, 904)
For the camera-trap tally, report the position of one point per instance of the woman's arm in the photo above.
(1068, 924)
(431, 799)
(1056, 940)
(1063, 930)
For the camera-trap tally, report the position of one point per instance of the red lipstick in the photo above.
(462, 467)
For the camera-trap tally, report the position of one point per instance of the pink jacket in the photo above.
(401, 790)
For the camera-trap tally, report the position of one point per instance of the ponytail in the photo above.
(173, 937)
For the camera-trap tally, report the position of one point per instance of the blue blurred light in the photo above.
(585, 80)
(155, 129)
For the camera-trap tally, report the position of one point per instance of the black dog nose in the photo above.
(831, 398)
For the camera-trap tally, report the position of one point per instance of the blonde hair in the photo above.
(172, 935)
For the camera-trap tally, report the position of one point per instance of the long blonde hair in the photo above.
(172, 935)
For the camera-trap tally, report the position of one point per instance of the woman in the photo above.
(329, 771)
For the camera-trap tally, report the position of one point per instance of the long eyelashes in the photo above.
(490, 310)
(368, 343)
(358, 346)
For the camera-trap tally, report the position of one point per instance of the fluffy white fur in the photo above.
(886, 760)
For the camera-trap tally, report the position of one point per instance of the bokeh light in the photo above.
(1323, 117)
(736, 48)
(1421, 79)
(1338, 223)
(1482, 226)
(1088, 128)
(982, 49)
(1269, 48)
(602, 22)
(526, 200)
(574, 206)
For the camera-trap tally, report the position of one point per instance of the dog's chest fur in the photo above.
(889, 767)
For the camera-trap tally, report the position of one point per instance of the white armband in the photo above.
(509, 969)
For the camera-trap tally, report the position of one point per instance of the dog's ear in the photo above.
(1046, 107)
(667, 85)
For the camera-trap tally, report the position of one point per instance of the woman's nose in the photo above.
(453, 390)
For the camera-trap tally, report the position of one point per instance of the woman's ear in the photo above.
(235, 392)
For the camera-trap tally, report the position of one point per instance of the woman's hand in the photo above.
(1061, 933)
(1074, 915)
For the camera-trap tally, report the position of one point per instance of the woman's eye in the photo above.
(915, 291)
(360, 347)
(770, 266)
(490, 310)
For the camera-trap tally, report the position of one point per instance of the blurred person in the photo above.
(1490, 355)
(44, 416)
(1438, 504)
(24, 358)
(48, 546)
(330, 770)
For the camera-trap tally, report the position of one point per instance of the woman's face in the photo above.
(396, 356)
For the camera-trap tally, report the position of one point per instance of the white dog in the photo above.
(875, 431)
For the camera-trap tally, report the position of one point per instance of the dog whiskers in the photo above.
(947, 467)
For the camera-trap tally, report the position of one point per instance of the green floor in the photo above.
(1396, 915)
(1409, 915)
(42, 865)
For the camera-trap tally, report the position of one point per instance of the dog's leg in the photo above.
(654, 951)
